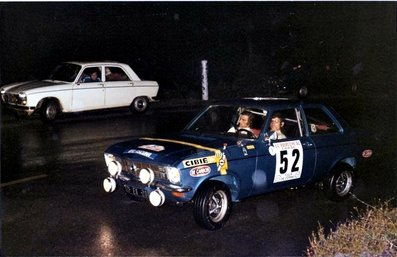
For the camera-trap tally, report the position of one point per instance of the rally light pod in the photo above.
(114, 168)
(109, 184)
(157, 198)
(146, 176)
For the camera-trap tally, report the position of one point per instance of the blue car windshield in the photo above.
(65, 72)
(224, 120)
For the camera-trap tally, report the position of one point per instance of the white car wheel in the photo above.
(139, 105)
(49, 111)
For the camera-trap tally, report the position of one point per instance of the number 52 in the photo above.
(285, 161)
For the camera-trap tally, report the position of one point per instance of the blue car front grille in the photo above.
(133, 168)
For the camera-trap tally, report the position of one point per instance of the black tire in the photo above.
(339, 184)
(139, 105)
(212, 206)
(49, 111)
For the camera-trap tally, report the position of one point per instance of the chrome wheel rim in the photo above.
(140, 105)
(218, 206)
(51, 111)
(344, 183)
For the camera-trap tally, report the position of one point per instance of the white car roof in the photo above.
(96, 63)
(131, 73)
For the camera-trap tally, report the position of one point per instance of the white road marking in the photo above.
(23, 180)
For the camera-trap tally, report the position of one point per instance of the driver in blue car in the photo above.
(244, 123)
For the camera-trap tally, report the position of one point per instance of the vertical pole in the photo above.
(204, 80)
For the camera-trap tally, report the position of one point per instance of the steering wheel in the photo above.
(245, 133)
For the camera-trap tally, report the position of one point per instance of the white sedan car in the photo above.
(81, 86)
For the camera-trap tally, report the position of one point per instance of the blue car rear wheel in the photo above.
(340, 184)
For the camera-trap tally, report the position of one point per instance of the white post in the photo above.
(204, 80)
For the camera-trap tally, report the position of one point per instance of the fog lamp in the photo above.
(157, 198)
(109, 184)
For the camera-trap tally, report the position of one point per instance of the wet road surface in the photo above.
(53, 202)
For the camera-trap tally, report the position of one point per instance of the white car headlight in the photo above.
(22, 98)
(22, 95)
(2, 91)
(173, 175)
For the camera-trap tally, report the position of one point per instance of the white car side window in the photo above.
(91, 74)
(115, 74)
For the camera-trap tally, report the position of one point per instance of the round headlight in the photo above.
(173, 175)
(114, 168)
(146, 176)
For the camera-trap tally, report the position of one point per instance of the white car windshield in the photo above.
(228, 120)
(65, 72)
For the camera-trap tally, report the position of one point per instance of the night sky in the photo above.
(244, 42)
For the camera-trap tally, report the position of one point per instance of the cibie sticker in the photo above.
(154, 148)
(289, 160)
(198, 161)
(200, 171)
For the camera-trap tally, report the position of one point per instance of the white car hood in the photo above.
(32, 86)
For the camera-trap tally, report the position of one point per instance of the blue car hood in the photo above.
(170, 150)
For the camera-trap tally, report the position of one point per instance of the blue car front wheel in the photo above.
(212, 206)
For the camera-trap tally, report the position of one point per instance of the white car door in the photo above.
(119, 88)
(89, 93)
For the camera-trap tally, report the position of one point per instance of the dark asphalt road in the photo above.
(61, 208)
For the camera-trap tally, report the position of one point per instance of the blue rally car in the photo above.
(237, 149)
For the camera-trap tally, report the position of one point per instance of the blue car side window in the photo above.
(320, 122)
(283, 124)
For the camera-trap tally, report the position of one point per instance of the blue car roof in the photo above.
(261, 102)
